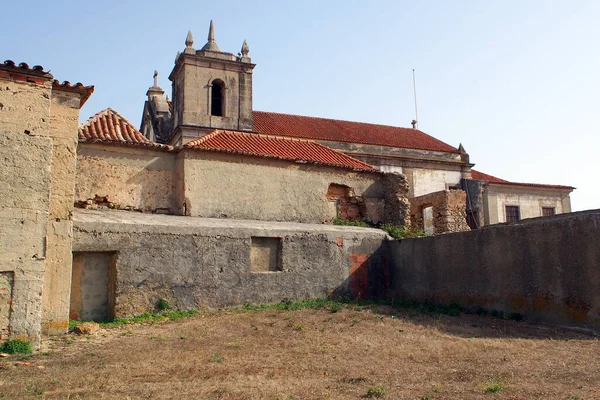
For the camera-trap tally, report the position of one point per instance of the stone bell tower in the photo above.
(212, 89)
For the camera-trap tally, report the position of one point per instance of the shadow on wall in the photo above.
(368, 277)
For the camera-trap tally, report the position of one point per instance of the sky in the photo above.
(516, 82)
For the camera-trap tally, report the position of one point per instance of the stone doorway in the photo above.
(93, 286)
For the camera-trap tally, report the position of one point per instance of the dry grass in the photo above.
(315, 354)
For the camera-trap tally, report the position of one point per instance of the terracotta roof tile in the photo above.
(108, 126)
(22, 72)
(258, 145)
(345, 131)
(480, 176)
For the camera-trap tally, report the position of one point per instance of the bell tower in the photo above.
(212, 90)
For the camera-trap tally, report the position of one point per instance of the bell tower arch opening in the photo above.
(217, 98)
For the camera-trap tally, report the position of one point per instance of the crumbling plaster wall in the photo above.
(64, 118)
(449, 211)
(227, 186)
(136, 178)
(529, 199)
(543, 268)
(26, 150)
(200, 262)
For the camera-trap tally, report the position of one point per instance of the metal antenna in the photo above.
(416, 124)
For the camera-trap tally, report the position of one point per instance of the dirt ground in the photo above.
(314, 354)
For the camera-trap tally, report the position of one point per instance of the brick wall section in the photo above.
(449, 212)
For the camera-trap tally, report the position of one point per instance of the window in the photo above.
(217, 95)
(547, 211)
(512, 213)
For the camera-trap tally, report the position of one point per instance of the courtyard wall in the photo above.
(544, 268)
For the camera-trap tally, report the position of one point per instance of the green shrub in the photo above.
(399, 232)
(348, 222)
(163, 305)
(16, 346)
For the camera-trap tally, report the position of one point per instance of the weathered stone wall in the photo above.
(64, 118)
(226, 186)
(200, 262)
(544, 268)
(137, 179)
(448, 211)
(397, 206)
(26, 150)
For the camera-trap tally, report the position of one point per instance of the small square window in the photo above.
(547, 211)
(512, 213)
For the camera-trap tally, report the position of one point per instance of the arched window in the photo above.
(217, 98)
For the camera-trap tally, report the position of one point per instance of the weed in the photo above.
(158, 338)
(376, 391)
(335, 307)
(2, 395)
(426, 398)
(128, 333)
(149, 317)
(16, 346)
(493, 385)
(574, 397)
(348, 222)
(399, 232)
(74, 324)
(162, 305)
(216, 359)
(39, 391)
(299, 327)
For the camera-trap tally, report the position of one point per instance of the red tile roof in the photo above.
(108, 126)
(22, 72)
(345, 131)
(258, 145)
(480, 176)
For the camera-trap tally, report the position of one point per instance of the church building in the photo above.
(212, 91)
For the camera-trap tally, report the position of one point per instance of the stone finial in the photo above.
(461, 149)
(189, 40)
(211, 32)
(155, 78)
(245, 49)
(211, 45)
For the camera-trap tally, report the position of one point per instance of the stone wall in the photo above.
(448, 212)
(544, 268)
(226, 186)
(130, 178)
(26, 151)
(64, 119)
(200, 262)
(38, 137)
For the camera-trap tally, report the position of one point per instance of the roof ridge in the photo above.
(338, 120)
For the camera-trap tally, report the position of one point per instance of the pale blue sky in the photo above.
(517, 82)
